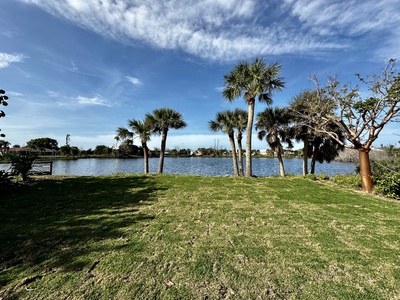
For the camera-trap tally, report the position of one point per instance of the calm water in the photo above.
(189, 165)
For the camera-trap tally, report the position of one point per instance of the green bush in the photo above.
(311, 177)
(322, 176)
(22, 163)
(386, 177)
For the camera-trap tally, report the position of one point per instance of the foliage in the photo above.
(5, 180)
(273, 125)
(22, 163)
(43, 143)
(193, 237)
(4, 146)
(3, 102)
(359, 118)
(102, 150)
(386, 176)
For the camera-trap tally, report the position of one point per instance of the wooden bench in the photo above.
(41, 168)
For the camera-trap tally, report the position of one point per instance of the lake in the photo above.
(189, 165)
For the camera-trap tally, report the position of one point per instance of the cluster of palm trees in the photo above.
(157, 123)
(276, 125)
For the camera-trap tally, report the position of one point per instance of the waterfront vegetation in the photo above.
(193, 237)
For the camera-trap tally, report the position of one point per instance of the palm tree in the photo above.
(141, 129)
(162, 120)
(240, 122)
(252, 81)
(225, 122)
(4, 146)
(273, 124)
(324, 148)
(320, 147)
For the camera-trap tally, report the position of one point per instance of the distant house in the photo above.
(21, 150)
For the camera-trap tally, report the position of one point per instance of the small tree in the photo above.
(141, 129)
(225, 122)
(361, 119)
(22, 163)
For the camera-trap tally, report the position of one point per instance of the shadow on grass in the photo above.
(67, 224)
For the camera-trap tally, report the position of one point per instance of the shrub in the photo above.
(322, 176)
(386, 176)
(311, 177)
(22, 163)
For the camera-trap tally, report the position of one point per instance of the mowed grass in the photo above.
(191, 237)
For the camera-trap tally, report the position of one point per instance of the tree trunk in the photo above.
(145, 158)
(365, 170)
(240, 152)
(234, 157)
(305, 155)
(281, 166)
(163, 145)
(249, 170)
(313, 160)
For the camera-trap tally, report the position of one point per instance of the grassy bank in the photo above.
(189, 237)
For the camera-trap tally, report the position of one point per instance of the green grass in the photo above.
(190, 237)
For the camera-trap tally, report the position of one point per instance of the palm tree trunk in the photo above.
(240, 153)
(313, 160)
(281, 166)
(305, 155)
(162, 154)
(145, 157)
(365, 170)
(251, 104)
(234, 157)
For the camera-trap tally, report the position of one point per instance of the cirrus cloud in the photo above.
(6, 59)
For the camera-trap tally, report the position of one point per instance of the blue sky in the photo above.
(84, 67)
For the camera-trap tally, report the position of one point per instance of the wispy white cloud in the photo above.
(217, 30)
(350, 17)
(6, 59)
(134, 80)
(92, 101)
(15, 94)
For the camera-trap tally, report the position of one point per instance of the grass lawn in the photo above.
(191, 237)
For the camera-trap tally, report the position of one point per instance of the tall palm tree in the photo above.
(273, 124)
(143, 130)
(240, 123)
(225, 122)
(252, 81)
(163, 119)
